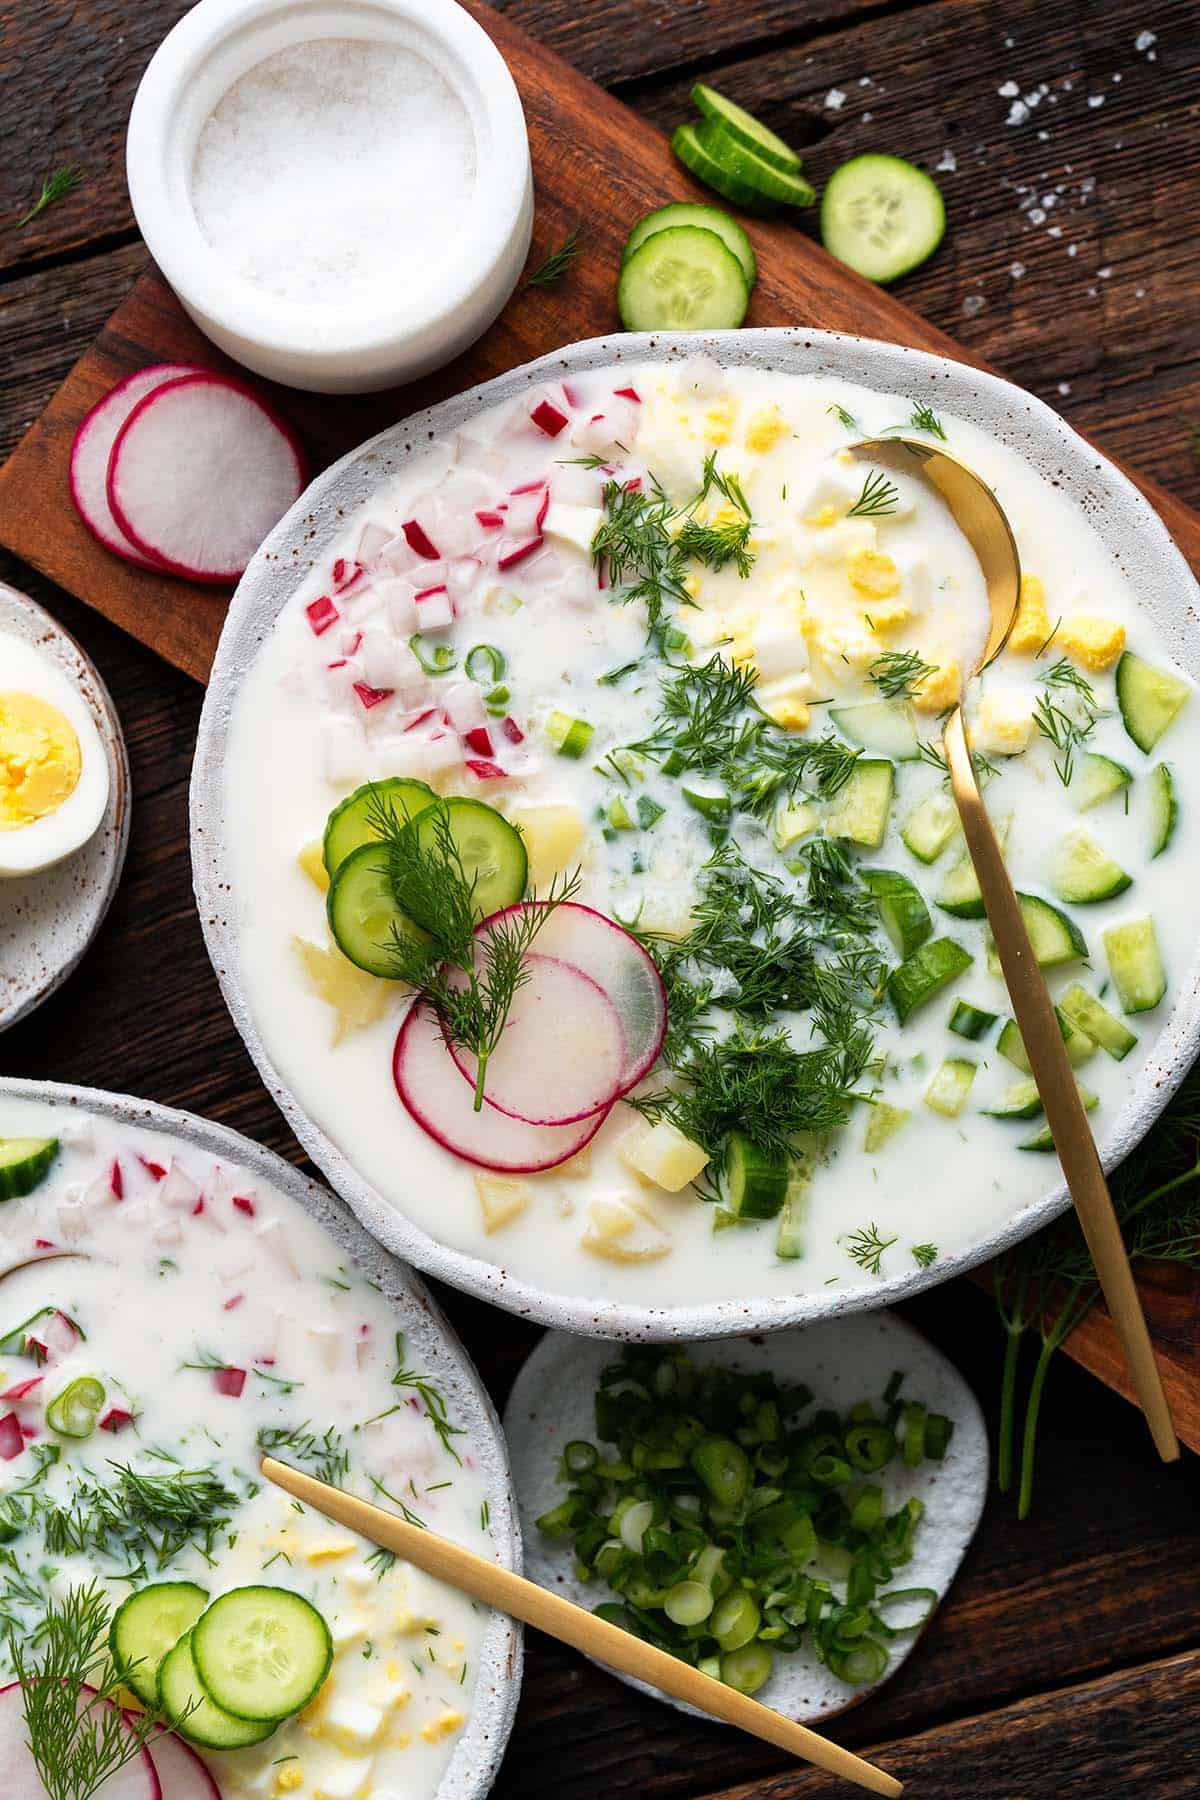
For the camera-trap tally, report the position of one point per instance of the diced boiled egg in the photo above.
(830, 494)
(352, 1723)
(331, 1550)
(1031, 627)
(834, 542)
(312, 860)
(786, 702)
(1095, 642)
(780, 646)
(54, 775)
(939, 689)
(1004, 722)
(873, 574)
(445, 1723)
(345, 1780)
(764, 429)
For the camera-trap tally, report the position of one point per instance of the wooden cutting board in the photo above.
(597, 165)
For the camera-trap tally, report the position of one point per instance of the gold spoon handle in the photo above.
(1056, 1084)
(573, 1625)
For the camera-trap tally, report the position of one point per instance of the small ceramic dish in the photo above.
(48, 920)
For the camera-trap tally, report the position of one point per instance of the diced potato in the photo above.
(1031, 627)
(501, 1200)
(939, 690)
(662, 1154)
(764, 429)
(580, 1164)
(873, 574)
(621, 1229)
(312, 861)
(357, 998)
(1095, 642)
(553, 834)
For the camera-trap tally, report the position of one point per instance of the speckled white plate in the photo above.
(842, 1362)
(47, 921)
(480, 1748)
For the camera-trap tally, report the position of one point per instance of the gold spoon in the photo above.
(574, 1625)
(982, 521)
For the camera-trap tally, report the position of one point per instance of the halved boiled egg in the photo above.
(53, 767)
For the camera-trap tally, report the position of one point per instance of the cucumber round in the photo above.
(902, 912)
(193, 1714)
(490, 850)
(1149, 699)
(685, 278)
(756, 1183)
(147, 1625)
(350, 823)
(1097, 779)
(261, 1653)
(709, 218)
(1082, 872)
(24, 1163)
(1164, 808)
(363, 914)
(881, 216)
(727, 167)
(745, 129)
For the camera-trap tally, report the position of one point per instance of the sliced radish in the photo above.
(606, 953)
(19, 1778)
(180, 1770)
(92, 448)
(200, 471)
(562, 1054)
(432, 1088)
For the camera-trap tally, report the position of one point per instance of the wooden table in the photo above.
(1067, 1661)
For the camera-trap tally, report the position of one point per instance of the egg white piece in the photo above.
(26, 849)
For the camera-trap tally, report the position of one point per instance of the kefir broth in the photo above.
(335, 175)
(939, 1181)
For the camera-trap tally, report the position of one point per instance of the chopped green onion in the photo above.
(865, 1662)
(510, 603)
(485, 663)
(618, 814)
(649, 812)
(580, 1457)
(74, 1412)
(688, 1603)
(496, 701)
(569, 736)
(437, 661)
(746, 1669)
(724, 1468)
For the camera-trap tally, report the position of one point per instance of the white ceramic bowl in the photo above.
(210, 48)
(480, 1748)
(1127, 526)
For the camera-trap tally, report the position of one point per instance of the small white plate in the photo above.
(47, 921)
(842, 1362)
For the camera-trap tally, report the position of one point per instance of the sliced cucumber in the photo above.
(1097, 778)
(1082, 872)
(682, 279)
(929, 828)
(1096, 1022)
(708, 798)
(902, 912)
(363, 914)
(1056, 939)
(959, 893)
(24, 1162)
(860, 809)
(491, 851)
(882, 216)
(756, 1183)
(720, 162)
(971, 1021)
(789, 1241)
(934, 966)
(1080, 1047)
(745, 128)
(883, 1122)
(1136, 964)
(1020, 1101)
(261, 1652)
(1044, 1139)
(1149, 699)
(147, 1625)
(950, 1084)
(192, 1712)
(353, 821)
(884, 726)
(709, 218)
(1164, 808)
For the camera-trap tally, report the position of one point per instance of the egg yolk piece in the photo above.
(40, 760)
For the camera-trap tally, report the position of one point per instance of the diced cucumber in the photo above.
(934, 966)
(1136, 964)
(1083, 872)
(902, 912)
(363, 914)
(1044, 1139)
(951, 1083)
(1020, 1101)
(1056, 939)
(860, 809)
(1097, 778)
(882, 216)
(193, 1713)
(756, 1183)
(685, 278)
(708, 798)
(490, 849)
(709, 218)
(569, 736)
(789, 1242)
(148, 1624)
(1080, 1047)
(261, 1652)
(929, 828)
(745, 128)
(1164, 808)
(1094, 1018)
(971, 1021)
(883, 726)
(1149, 699)
(24, 1162)
(353, 821)
(883, 1122)
(959, 893)
(793, 823)
(721, 162)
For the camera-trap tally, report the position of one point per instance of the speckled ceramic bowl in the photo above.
(1128, 528)
(47, 921)
(480, 1748)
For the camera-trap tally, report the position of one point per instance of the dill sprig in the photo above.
(327, 1455)
(559, 261)
(878, 496)
(921, 418)
(431, 1398)
(845, 418)
(1068, 719)
(147, 1519)
(930, 751)
(55, 187)
(77, 1739)
(899, 673)
(866, 1247)
(924, 1255)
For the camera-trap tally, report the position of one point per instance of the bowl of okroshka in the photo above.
(575, 849)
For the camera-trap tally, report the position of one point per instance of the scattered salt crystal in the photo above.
(1016, 270)
(947, 162)
(1072, 249)
(1145, 39)
(835, 99)
(1043, 137)
(1009, 91)
(866, 118)
(973, 304)
(1095, 100)
(1018, 112)
(864, 81)
(1064, 387)
(1105, 273)
(1054, 231)
(1037, 216)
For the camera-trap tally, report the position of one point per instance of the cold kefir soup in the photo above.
(597, 883)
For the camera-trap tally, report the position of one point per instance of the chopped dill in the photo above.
(866, 1247)
(148, 1520)
(879, 496)
(1067, 719)
(431, 1398)
(898, 674)
(921, 418)
(55, 187)
(559, 261)
(845, 418)
(327, 1456)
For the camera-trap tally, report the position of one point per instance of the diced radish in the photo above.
(155, 1170)
(484, 770)
(244, 1204)
(433, 609)
(527, 509)
(418, 539)
(434, 1092)
(606, 953)
(479, 740)
(233, 1301)
(373, 540)
(58, 1336)
(137, 1779)
(348, 573)
(178, 1191)
(182, 1774)
(116, 1181)
(21, 1390)
(463, 703)
(90, 453)
(115, 1419)
(628, 393)
(512, 730)
(200, 472)
(229, 1382)
(548, 418)
(570, 393)
(370, 696)
(12, 1439)
(509, 552)
(43, 1243)
(461, 577)
(489, 520)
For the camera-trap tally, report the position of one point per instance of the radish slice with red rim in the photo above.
(561, 1055)
(605, 952)
(19, 1778)
(432, 1088)
(200, 472)
(182, 1773)
(92, 451)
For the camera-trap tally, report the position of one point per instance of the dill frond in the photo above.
(899, 673)
(878, 497)
(55, 187)
(559, 261)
